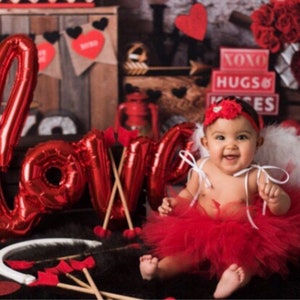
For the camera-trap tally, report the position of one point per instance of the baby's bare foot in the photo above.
(232, 279)
(148, 266)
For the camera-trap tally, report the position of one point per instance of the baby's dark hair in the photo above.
(246, 108)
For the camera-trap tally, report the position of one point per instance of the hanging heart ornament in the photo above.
(193, 24)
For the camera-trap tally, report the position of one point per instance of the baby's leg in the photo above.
(232, 279)
(151, 267)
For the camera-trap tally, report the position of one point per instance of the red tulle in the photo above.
(224, 240)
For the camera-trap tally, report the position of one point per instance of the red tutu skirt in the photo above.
(228, 238)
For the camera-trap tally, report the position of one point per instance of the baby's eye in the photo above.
(220, 137)
(242, 137)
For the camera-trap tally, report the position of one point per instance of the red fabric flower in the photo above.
(227, 109)
(276, 23)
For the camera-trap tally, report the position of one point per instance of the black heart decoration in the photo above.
(101, 25)
(74, 32)
(129, 88)
(202, 81)
(51, 37)
(154, 94)
(32, 36)
(179, 92)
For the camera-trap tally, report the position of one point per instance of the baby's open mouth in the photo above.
(231, 157)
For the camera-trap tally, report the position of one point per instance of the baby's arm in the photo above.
(277, 199)
(185, 194)
(169, 202)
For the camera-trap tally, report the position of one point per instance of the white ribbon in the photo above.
(261, 169)
(187, 157)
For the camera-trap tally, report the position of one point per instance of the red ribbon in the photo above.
(88, 263)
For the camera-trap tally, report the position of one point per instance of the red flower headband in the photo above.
(226, 109)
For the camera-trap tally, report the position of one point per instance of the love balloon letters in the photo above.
(54, 174)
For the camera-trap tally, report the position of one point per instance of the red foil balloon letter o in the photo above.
(52, 172)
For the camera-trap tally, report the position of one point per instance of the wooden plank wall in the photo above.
(93, 96)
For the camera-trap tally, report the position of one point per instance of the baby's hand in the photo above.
(278, 201)
(270, 192)
(166, 207)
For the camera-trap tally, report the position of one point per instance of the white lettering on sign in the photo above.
(244, 59)
(42, 56)
(89, 44)
(241, 82)
(264, 104)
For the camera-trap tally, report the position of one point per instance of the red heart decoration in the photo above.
(194, 24)
(46, 53)
(89, 45)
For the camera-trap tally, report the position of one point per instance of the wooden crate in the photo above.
(91, 97)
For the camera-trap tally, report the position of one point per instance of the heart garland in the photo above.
(87, 43)
(74, 32)
(52, 36)
(48, 54)
(101, 25)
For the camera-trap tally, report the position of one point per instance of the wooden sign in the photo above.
(245, 60)
(244, 73)
(265, 104)
(224, 81)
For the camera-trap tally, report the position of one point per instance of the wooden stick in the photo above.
(78, 281)
(113, 192)
(92, 283)
(120, 188)
(90, 291)
(118, 297)
(75, 288)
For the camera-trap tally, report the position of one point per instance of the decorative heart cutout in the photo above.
(217, 109)
(154, 94)
(46, 53)
(179, 92)
(74, 32)
(129, 88)
(101, 25)
(89, 45)
(51, 37)
(194, 24)
(202, 81)
(32, 36)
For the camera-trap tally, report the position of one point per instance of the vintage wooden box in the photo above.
(92, 97)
